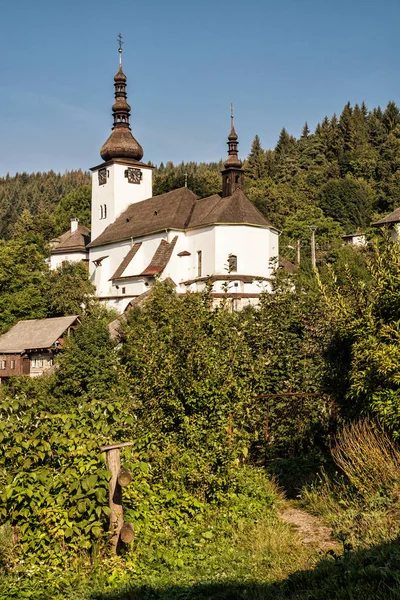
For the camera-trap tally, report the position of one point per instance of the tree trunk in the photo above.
(115, 498)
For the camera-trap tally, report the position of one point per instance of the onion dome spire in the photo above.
(233, 160)
(121, 143)
(233, 173)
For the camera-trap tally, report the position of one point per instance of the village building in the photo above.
(221, 240)
(71, 245)
(391, 222)
(356, 239)
(29, 347)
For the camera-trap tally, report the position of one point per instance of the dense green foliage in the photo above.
(364, 349)
(29, 290)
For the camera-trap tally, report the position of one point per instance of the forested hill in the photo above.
(38, 193)
(340, 176)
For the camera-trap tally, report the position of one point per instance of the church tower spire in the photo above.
(233, 173)
(121, 143)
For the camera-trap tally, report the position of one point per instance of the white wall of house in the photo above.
(57, 259)
(395, 232)
(116, 194)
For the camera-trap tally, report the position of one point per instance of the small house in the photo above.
(29, 347)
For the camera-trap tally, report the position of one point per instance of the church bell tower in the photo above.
(233, 174)
(122, 179)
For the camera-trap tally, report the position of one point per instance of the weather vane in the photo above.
(120, 42)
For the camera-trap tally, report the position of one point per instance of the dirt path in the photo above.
(309, 528)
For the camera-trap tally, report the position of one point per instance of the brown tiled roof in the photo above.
(286, 265)
(35, 333)
(167, 211)
(132, 251)
(70, 242)
(394, 217)
(181, 209)
(236, 209)
(161, 257)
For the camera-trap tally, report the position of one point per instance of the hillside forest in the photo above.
(236, 418)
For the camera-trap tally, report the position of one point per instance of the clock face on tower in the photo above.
(134, 175)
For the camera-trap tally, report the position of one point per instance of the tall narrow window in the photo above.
(13, 364)
(232, 263)
(105, 211)
(100, 211)
(199, 261)
(3, 364)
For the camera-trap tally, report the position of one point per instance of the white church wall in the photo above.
(126, 193)
(116, 195)
(178, 267)
(102, 195)
(201, 240)
(251, 245)
(273, 250)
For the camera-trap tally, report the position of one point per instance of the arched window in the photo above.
(100, 211)
(104, 211)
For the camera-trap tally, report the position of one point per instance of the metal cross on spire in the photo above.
(232, 117)
(120, 42)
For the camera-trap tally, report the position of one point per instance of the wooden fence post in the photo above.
(115, 492)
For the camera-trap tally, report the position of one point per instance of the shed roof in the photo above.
(35, 333)
(394, 217)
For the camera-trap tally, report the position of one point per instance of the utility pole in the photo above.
(298, 246)
(313, 230)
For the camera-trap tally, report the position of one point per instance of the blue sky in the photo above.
(280, 62)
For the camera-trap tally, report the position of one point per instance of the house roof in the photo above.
(125, 262)
(394, 217)
(180, 209)
(167, 211)
(35, 333)
(70, 242)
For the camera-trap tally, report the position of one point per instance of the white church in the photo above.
(136, 238)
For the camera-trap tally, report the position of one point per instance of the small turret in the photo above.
(233, 174)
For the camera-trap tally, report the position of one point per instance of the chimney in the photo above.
(74, 225)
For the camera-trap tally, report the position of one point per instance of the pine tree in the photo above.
(256, 162)
(305, 131)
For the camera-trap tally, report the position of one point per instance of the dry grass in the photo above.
(368, 458)
(364, 499)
